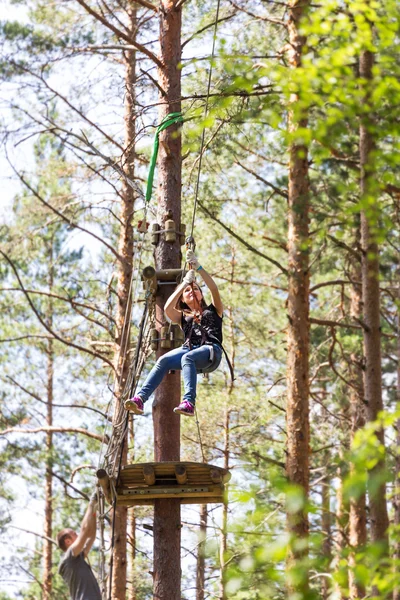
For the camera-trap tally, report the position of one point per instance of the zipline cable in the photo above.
(196, 193)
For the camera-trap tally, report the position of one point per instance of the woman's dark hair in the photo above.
(184, 306)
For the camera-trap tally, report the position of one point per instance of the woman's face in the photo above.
(192, 296)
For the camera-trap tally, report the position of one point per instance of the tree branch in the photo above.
(333, 282)
(67, 102)
(64, 218)
(357, 255)
(36, 397)
(26, 337)
(268, 19)
(241, 240)
(63, 298)
(44, 324)
(40, 535)
(146, 4)
(268, 460)
(208, 26)
(121, 34)
(257, 176)
(53, 429)
(328, 323)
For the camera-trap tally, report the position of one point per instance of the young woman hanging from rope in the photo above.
(202, 350)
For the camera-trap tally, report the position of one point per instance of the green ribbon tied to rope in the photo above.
(167, 121)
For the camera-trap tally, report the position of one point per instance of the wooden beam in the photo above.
(169, 274)
(149, 276)
(181, 474)
(216, 476)
(149, 475)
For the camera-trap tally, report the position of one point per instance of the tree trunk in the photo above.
(224, 526)
(297, 411)
(125, 272)
(342, 521)
(48, 499)
(326, 532)
(167, 512)
(132, 554)
(371, 304)
(201, 557)
(357, 515)
(396, 498)
(227, 439)
(132, 524)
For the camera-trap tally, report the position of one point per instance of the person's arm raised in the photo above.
(87, 533)
(192, 259)
(212, 286)
(170, 309)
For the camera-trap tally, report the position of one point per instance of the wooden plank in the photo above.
(172, 492)
(171, 466)
(200, 497)
(193, 483)
(150, 502)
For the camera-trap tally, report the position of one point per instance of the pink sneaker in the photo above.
(134, 405)
(185, 408)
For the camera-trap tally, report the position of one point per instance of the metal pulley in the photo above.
(190, 243)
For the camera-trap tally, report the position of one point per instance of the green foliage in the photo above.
(241, 230)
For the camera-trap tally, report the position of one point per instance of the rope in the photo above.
(199, 433)
(142, 349)
(112, 549)
(102, 562)
(196, 193)
(126, 323)
(205, 115)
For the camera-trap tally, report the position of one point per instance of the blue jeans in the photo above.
(181, 359)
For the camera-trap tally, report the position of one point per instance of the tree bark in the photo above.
(326, 532)
(201, 557)
(132, 553)
(357, 512)
(223, 547)
(342, 520)
(48, 500)
(167, 512)
(227, 437)
(132, 587)
(379, 521)
(125, 273)
(297, 410)
(396, 498)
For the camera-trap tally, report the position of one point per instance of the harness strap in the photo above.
(209, 337)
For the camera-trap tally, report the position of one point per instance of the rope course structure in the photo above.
(121, 417)
(142, 484)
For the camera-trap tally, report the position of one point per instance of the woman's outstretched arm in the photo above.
(208, 280)
(170, 309)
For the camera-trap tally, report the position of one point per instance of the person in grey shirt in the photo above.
(73, 567)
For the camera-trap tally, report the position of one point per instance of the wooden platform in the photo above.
(192, 483)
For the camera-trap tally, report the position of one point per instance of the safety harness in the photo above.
(209, 339)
